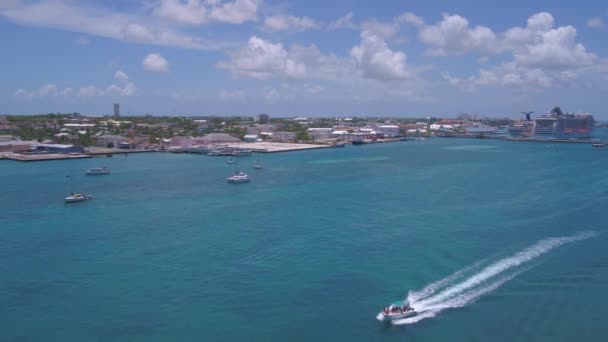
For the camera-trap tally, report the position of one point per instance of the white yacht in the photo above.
(97, 171)
(73, 198)
(238, 177)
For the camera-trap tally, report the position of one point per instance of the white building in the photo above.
(389, 130)
(250, 138)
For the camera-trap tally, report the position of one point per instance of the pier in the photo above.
(42, 157)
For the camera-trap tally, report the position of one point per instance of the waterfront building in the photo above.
(389, 131)
(251, 138)
(284, 136)
(57, 148)
(320, 133)
(109, 140)
(16, 146)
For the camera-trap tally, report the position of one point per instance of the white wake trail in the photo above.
(440, 295)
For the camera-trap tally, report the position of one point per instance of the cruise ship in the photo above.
(522, 128)
(559, 125)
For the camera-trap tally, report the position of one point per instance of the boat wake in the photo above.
(466, 286)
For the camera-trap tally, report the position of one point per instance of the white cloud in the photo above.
(596, 23)
(88, 91)
(83, 17)
(121, 76)
(47, 90)
(155, 62)
(381, 29)
(454, 35)
(345, 22)
(411, 18)
(540, 45)
(197, 12)
(371, 59)
(262, 59)
(288, 22)
(376, 60)
(235, 12)
(122, 87)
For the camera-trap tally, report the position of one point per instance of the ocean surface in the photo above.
(490, 240)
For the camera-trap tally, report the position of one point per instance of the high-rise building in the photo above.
(262, 118)
(116, 109)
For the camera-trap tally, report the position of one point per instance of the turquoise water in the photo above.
(313, 247)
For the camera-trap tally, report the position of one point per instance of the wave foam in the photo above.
(450, 293)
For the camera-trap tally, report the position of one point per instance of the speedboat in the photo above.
(239, 177)
(599, 145)
(231, 161)
(257, 165)
(395, 311)
(73, 198)
(96, 171)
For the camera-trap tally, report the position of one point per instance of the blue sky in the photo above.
(312, 58)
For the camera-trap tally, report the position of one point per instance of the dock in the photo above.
(43, 157)
(96, 151)
(274, 147)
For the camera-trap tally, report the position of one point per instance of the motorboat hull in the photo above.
(76, 199)
(383, 317)
(93, 173)
(237, 181)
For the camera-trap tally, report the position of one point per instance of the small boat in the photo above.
(395, 311)
(238, 177)
(231, 161)
(599, 145)
(338, 144)
(258, 165)
(109, 155)
(98, 171)
(73, 198)
(359, 142)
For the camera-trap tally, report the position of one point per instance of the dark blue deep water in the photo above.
(496, 240)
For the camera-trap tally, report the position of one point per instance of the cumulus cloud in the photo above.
(371, 59)
(539, 44)
(197, 12)
(596, 23)
(263, 59)
(377, 61)
(288, 22)
(345, 22)
(155, 62)
(121, 76)
(454, 34)
(411, 19)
